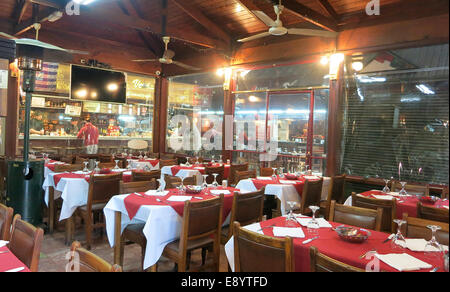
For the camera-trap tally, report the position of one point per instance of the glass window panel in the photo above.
(320, 126)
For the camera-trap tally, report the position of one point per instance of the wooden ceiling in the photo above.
(132, 29)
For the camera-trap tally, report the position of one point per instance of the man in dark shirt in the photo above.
(37, 124)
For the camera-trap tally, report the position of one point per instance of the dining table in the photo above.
(197, 170)
(145, 163)
(161, 212)
(10, 263)
(283, 188)
(404, 203)
(369, 255)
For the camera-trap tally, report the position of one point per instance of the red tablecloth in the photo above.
(153, 162)
(201, 168)
(331, 245)
(51, 165)
(133, 202)
(406, 204)
(57, 178)
(9, 261)
(299, 183)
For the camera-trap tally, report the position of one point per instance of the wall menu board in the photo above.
(140, 89)
(72, 110)
(91, 107)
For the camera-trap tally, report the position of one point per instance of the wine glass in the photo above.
(386, 188)
(86, 169)
(187, 161)
(129, 164)
(117, 164)
(205, 184)
(398, 241)
(403, 191)
(215, 183)
(433, 249)
(212, 159)
(140, 155)
(97, 168)
(181, 187)
(160, 185)
(220, 159)
(281, 172)
(313, 224)
(274, 173)
(290, 219)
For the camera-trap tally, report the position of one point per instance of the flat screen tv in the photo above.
(94, 84)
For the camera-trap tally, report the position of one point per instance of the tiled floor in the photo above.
(53, 254)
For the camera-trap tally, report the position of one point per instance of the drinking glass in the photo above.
(160, 185)
(433, 249)
(117, 164)
(220, 160)
(398, 241)
(403, 191)
(281, 172)
(182, 187)
(140, 155)
(274, 174)
(86, 169)
(187, 161)
(129, 164)
(97, 168)
(212, 159)
(313, 224)
(215, 183)
(205, 184)
(290, 219)
(224, 183)
(386, 188)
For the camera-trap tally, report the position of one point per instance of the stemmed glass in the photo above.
(212, 159)
(403, 191)
(160, 185)
(290, 219)
(386, 188)
(313, 224)
(398, 241)
(274, 174)
(215, 183)
(181, 187)
(140, 155)
(86, 169)
(433, 248)
(117, 164)
(97, 168)
(129, 164)
(281, 172)
(220, 160)
(187, 162)
(205, 184)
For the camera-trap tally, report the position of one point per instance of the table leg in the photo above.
(51, 209)
(69, 231)
(117, 240)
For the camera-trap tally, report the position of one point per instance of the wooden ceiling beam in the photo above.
(19, 11)
(251, 6)
(325, 4)
(37, 17)
(310, 15)
(204, 21)
(51, 3)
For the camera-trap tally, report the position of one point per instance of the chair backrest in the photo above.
(168, 162)
(361, 217)
(311, 195)
(79, 160)
(265, 171)
(246, 174)
(109, 165)
(137, 187)
(202, 219)
(105, 158)
(167, 156)
(67, 159)
(25, 242)
(86, 261)
(254, 252)
(145, 175)
(68, 167)
(233, 169)
(336, 190)
(210, 170)
(174, 181)
(102, 188)
(153, 155)
(247, 208)
(389, 210)
(417, 228)
(322, 263)
(431, 213)
(412, 189)
(6, 215)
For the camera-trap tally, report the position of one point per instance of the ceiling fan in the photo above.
(277, 28)
(167, 57)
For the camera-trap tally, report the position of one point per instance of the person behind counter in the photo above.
(90, 135)
(36, 123)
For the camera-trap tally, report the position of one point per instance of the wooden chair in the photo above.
(265, 171)
(105, 158)
(145, 175)
(247, 208)
(246, 174)
(360, 217)
(25, 242)
(201, 227)
(389, 210)
(101, 189)
(6, 216)
(86, 261)
(173, 182)
(322, 263)
(335, 192)
(417, 228)
(67, 159)
(232, 181)
(68, 168)
(312, 192)
(431, 213)
(168, 162)
(411, 189)
(138, 186)
(167, 156)
(254, 252)
(109, 165)
(79, 160)
(210, 170)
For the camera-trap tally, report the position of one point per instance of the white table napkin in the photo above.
(179, 198)
(263, 178)
(286, 231)
(383, 197)
(403, 262)
(156, 193)
(418, 244)
(220, 192)
(322, 222)
(310, 177)
(292, 182)
(3, 243)
(446, 207)
(255, 227)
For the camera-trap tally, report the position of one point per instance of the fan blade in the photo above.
(264, 18)
(8, 36)
(169, 54)
(146, 60)
(312, 32)
(186, 66)
(257, 36)
(77, 52)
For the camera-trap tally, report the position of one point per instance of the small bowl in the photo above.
(193, 189)
(353, 234)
